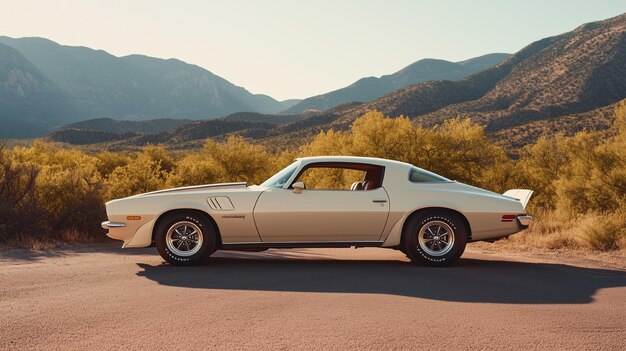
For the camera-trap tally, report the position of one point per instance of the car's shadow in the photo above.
(470, 280)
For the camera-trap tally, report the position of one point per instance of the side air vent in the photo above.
(220, 203)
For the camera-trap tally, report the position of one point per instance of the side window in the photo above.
(342, 176)
(323, 178)
(422, 176)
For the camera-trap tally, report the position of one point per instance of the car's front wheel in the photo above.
(434, 238)
(185, 238)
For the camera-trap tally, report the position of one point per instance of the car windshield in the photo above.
(279, 179)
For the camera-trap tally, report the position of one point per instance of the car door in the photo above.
(281, 215)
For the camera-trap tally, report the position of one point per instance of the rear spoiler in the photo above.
(522, 195)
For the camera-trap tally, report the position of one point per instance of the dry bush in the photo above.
(110, 161)
(239, 160)
(604, 232)
(457, 149)
(580, 189)
(329, 143)
(549, 230)
(67, 190)
(17, 185)
(144, 173)
(541, 164)
(195, 169)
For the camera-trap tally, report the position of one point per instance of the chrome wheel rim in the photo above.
(184, 238)
(436, 238)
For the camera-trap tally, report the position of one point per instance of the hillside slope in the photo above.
(111, 125)
(171, 131)
(370, 88)
(29, 101)
(599, 119)
(584, 70)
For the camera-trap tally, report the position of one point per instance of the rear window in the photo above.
(418, 175)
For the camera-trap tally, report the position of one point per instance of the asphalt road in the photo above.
(304, 299)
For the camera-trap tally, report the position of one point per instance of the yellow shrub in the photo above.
(139, 176)
(148, 171)
(605, 232)
(110, 161)
(239, 160)
(458, 149)
(374, 135)
(329, 143)
(68, 188)
(195, 169)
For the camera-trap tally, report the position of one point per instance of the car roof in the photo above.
(355, 159)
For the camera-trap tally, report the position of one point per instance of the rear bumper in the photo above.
(524, 221)
(110, 225)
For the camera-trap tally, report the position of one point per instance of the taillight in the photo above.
(508, 218)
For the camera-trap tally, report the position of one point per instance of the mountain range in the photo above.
(46, 85)
(559, 84)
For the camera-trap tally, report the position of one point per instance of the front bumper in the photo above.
(524, 221)
(110, 225)
(134, 233)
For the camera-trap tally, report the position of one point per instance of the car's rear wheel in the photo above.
(185, 238)
(434, 238)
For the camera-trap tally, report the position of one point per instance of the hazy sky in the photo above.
(295, 49)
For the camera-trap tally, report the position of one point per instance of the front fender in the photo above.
(143, 236)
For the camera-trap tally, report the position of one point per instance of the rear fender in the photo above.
(522, 195)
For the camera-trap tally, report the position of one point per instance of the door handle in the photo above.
(379, 201)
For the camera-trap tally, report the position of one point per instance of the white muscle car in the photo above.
(329, 201)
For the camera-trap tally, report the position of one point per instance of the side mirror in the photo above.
(298, 187)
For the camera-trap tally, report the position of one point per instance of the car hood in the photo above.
(198, 188)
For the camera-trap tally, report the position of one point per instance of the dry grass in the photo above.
(590, 232)
(589, 240)
(604, 233)
(63, 238)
